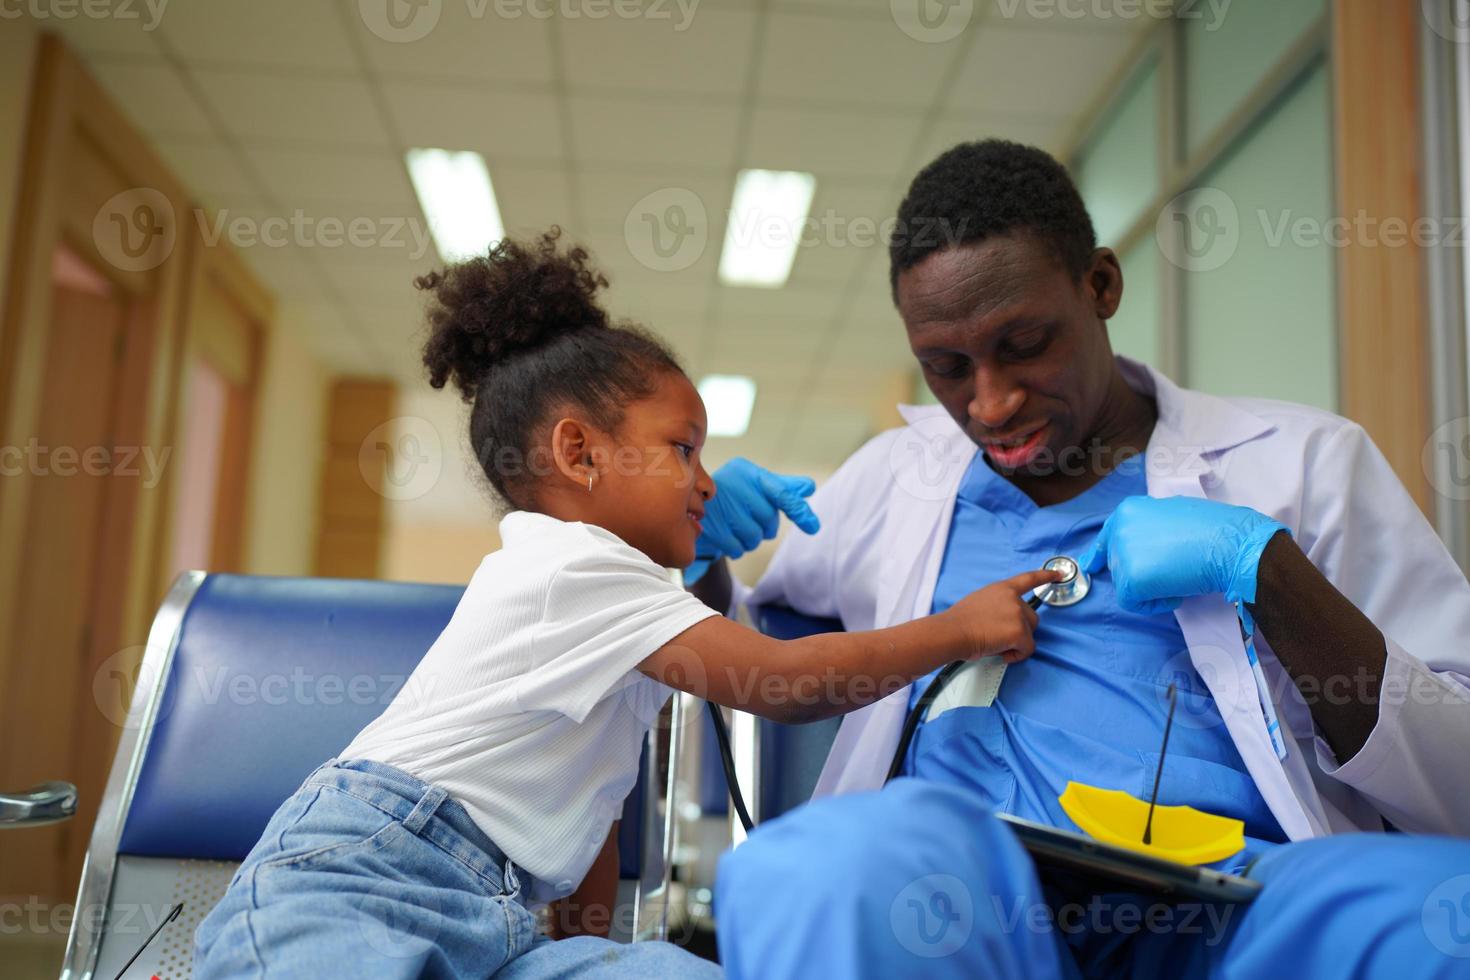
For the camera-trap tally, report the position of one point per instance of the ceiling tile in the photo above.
(372, 288)
(274, 33)
(333, 175)
(870, 303)
(947, 132)
(657, 123)
(155, 97)
(1000, 73)
(291, 279)
(872, 347)
(844, 60)
(400, 329)
(210, 169)
(483, 40)
(642, 201)
(869, 9)
(502, 125)
(313, 110)
(675, 312)
(770, 375)
(847, 227)
(532, 199)
(706, 54)
(841, 143)
(816, 304)
(133, 31)
(792, 333)
(637, 132)
(673, 303)
(624, 261)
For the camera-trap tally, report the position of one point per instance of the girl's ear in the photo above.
(572, 451)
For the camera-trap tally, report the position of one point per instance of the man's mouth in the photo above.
(697, 516)
(1015, 452)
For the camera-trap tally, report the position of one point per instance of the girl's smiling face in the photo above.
(649, 486)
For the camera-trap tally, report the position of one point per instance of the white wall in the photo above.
(286, 460)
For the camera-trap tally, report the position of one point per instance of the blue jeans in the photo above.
(366, 871)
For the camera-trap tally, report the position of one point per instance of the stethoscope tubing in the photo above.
(946, 673)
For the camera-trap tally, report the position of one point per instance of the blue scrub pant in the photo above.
(920, 880)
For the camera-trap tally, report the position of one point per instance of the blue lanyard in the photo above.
(1263, 690)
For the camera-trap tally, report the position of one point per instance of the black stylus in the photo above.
(172, 915)
(1148, 826)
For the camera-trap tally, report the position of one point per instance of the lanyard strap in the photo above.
(1263, 690)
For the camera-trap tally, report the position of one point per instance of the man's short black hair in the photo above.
(991, 187)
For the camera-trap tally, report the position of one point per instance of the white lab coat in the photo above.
(885, 520)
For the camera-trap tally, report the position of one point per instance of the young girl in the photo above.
(417, 851)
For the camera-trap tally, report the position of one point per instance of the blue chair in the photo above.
(247, 684)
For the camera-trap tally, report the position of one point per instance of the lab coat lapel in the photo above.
(927, 463)
(1193, 428)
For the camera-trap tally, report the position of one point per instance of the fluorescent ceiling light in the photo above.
(728, 398)
(455, 192)
(767, 217)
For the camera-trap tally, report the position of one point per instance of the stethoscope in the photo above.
(1071, 589)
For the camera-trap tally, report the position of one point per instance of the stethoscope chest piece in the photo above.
(1071, 590)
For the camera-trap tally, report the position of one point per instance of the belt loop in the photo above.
(510, 881)
(425, 808)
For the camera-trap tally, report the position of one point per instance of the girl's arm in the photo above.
(829, 674)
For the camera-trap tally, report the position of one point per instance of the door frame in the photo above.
(81, 160)
(219, 268)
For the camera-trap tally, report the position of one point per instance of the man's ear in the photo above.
(572, 451)
(1105, 282)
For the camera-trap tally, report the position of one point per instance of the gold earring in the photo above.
(589, 482)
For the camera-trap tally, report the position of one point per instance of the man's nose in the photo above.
(996, 399)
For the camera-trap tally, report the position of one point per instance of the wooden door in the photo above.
(88, 353)
(74, 460)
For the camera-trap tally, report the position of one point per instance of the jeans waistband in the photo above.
(425, 810)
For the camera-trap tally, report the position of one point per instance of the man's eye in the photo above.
(951, 368)
(1029, 347)
(685, 449)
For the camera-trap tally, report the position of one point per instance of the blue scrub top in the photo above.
(1089, 705)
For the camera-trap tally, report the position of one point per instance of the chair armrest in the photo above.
(41, 804)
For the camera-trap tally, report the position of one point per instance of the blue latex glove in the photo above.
(746, 510)
(1161, 550)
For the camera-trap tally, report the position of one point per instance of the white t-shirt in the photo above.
(528, 709)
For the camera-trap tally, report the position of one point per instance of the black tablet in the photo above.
(1116, 868)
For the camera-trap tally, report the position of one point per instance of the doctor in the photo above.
(1202, 518)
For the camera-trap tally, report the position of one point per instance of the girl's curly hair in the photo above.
(520, 334)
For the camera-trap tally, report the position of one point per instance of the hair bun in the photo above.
(515, 298)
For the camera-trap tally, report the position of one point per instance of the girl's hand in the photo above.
(997, 619)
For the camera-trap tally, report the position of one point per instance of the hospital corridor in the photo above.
(734, 488)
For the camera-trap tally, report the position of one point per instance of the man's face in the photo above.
(1013, 347)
